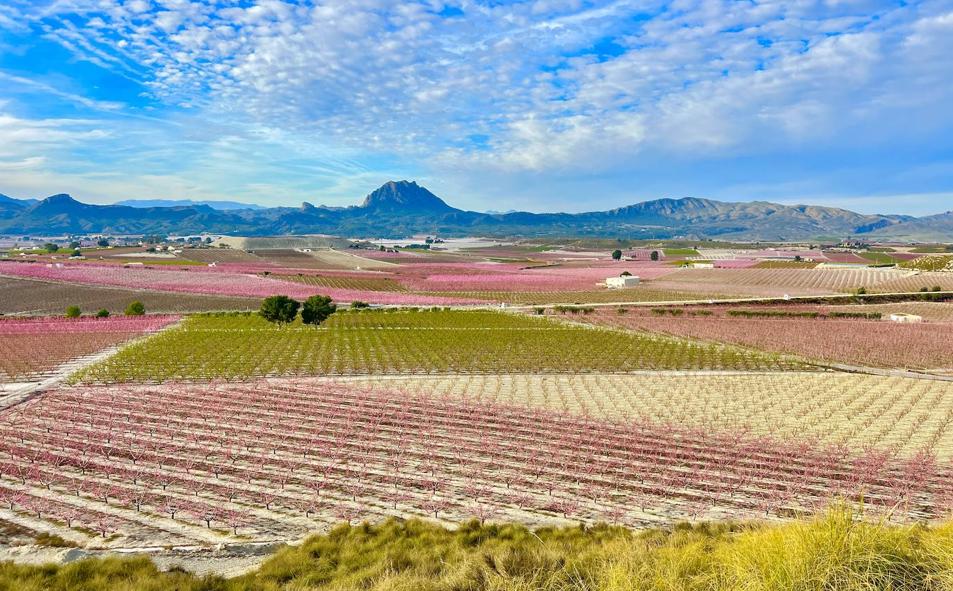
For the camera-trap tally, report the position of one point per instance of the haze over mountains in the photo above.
(403, 208)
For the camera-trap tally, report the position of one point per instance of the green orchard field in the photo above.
(411, 342)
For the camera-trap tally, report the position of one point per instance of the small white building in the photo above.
(621, 282)
(903, 317)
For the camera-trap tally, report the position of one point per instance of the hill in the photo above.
(403, 208)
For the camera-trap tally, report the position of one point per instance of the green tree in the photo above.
(617, 254)
(73, 312)
(655, 255)
(316, 309)
(135, 309)
(279, 308)
(77, 252)
(104, 313)
(74, 245)
(50, 247)
(359, 305)
(102, 243)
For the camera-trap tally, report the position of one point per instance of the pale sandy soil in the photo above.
(223, 561)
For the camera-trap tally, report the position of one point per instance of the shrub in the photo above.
(617, 254)
(52, 541)
(655, 255)
(316, 309)
(279, 308)
(358, 305)
(73, 312)
(104, 313)
(135, 309)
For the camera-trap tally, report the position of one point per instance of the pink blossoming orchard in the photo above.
(698, 394)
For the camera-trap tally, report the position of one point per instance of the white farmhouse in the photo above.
(903, 317)
(621, 282)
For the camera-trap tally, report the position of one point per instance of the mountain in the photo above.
(404, 208)
(10, 207)
(933, 228)
(219, 205)
(404, 197)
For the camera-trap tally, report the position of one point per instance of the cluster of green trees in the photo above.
(282, 309)
(135, 308)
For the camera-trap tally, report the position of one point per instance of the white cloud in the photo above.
(539, 86)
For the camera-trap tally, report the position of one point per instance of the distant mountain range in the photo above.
(220, 205)
(403, 208)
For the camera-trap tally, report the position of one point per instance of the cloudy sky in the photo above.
(540, 105)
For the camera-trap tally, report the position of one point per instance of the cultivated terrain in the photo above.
(150, 408)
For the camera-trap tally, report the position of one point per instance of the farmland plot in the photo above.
(442, 341)
(29, 347)
(862, 342)
(30, 296)
(917, 282)
(221, 281)
(777, 282)
(222, 255)
(366, 282)
(273, 460)
(855, 410)
(929, 311)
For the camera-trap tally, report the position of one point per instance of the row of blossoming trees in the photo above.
(273, 460)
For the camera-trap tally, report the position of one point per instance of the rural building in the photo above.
(902, 317)
(623, 281)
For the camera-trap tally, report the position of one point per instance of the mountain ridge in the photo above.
(403, 208)
(218, 205)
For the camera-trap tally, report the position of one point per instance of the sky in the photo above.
(542, 105)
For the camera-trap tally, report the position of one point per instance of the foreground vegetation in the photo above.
(406, 341)
(833, 552)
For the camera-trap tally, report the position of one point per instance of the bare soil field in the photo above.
(33, 297)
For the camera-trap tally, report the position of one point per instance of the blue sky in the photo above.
(540, 105)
